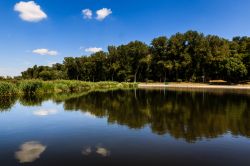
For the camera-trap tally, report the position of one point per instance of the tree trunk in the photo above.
(135, 77)
(165, 77)
(112, 76)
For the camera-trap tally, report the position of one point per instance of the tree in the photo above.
(159, 50)
(136, 51)
(189, 56)
(113, 64)
(167, 66)
(71, 67)
(235, 69)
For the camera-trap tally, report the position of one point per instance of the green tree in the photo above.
(235, 69)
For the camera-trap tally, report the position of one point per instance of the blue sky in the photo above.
(45, 31)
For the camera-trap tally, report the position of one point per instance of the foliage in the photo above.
(189, 56)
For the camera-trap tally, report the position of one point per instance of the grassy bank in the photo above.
(27, 87)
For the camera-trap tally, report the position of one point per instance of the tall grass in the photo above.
(30, 86)
(36, 87)
(7, 88)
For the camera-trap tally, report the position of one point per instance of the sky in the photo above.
(43, 32)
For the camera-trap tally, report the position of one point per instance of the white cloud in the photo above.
(30, 11)
(87, 13)
(50, 64)
(30, 151)
(45, 112)
(103, 13)
(44, 51)
(93, 50)
(11, 71)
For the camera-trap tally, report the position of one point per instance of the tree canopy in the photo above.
(189, 56)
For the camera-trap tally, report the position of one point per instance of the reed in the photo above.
(7, 88)
(39, 87)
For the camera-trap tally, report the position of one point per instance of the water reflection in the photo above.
(188, 115)
(7, 102)
(100, 150)
(192, 115)
(33, 100)
(45, 112)
(86, 151)
(29, 152)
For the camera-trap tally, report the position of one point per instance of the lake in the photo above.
(132, 127)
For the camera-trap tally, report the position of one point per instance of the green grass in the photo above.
(8, 88)
(38, 87)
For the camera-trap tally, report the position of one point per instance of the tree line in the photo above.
(189, 56)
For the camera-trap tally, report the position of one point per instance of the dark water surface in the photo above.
(136, 127)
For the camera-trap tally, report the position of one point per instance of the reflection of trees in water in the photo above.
(34, 100)
(182, 114)
(7, 102)
(189, 115)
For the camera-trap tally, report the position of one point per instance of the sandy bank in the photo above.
(192, 86)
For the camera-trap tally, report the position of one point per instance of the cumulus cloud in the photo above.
(44, 51)
(45, 112)
(30, 11)
(103, 13)
(29, 151)
(93, 49)
(87, 14)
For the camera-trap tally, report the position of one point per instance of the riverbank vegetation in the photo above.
(190, 56)
(31, 87)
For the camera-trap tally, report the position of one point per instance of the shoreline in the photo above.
(191, 86)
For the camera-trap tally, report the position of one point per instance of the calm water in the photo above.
(153, 127)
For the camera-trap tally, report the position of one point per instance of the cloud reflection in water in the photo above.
(102, 151)
(99, 150)
(45, 112)
(86, 151)
(29, 151)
